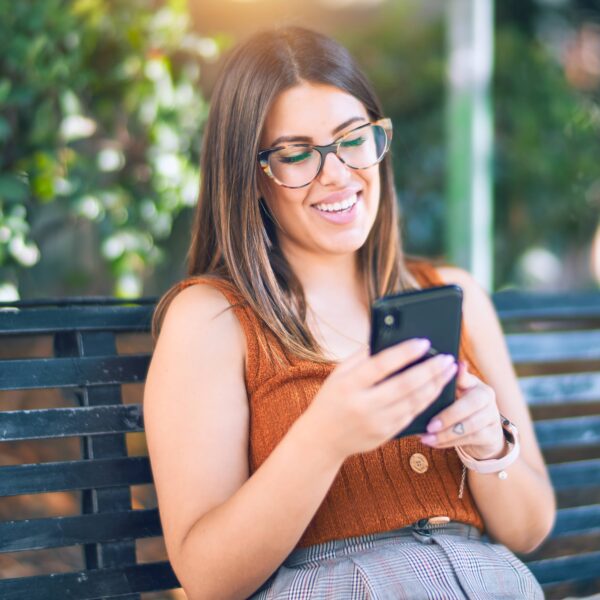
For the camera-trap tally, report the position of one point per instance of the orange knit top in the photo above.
(374, 491)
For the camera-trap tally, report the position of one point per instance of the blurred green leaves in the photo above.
(547, 170)
(547, 130)
(100, 119)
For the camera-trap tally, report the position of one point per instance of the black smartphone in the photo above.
(434, 313)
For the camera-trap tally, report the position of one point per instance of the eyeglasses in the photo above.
(297, 165)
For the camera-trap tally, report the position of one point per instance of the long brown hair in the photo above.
(233, 236)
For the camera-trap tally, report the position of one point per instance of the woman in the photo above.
(270, 428)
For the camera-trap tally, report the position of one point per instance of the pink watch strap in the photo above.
(495, 465)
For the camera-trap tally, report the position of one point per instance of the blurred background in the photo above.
(102, 106)
(496, 112)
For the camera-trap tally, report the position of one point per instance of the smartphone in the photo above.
(434, 313)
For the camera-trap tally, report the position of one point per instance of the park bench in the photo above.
(72, 372)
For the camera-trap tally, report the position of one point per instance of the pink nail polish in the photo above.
(434, 425)
(429, 440)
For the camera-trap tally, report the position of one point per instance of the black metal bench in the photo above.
(96, 352)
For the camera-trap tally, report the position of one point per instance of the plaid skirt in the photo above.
(422, 561)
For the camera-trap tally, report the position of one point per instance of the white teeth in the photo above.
(337, 206)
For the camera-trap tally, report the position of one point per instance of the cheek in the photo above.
(372, 180)
(281, 201)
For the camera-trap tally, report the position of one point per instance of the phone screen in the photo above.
(434, 313)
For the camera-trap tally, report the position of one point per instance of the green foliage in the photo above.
(100, 119)
(99, 127)
(547, 177)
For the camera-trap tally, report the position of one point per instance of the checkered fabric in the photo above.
(449, 562)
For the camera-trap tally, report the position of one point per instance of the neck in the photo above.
(328, 280)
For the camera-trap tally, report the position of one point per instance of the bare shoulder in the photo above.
(196, 411)
(477, 304)
(482, 326)
(471, 288)
(196, 307)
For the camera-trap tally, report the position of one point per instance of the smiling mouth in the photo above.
(337, 207)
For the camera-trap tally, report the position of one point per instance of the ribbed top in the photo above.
(373, 491)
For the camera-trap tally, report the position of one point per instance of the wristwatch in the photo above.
(495, 465)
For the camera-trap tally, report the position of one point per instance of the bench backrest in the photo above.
(554, 341)
(87, 366)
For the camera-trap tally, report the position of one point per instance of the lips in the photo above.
(339, 201)
(340, 217)
(337, 206)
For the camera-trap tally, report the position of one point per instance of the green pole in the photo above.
(469, 228)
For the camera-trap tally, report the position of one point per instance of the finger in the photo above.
(402, 409)
(472, 439)
(459, 411)
(464, 379)
(388, 361)
(488, 438)
(354, 360)
(457, 433)
(425, 380)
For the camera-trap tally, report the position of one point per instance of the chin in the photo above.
(348, 246)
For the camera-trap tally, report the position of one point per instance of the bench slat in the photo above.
(67, 422)
(91, 584)
(49, 321)
(35, 534)
(555, 346)
(566, 568)
(74, 475)
(580, 473)
(54, 532)
(575, 431)
(37, 373)
(576, 520)
(513, 305)
(543, 390)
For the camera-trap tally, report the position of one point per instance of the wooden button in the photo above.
(418, 463)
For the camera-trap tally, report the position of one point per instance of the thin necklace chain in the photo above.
(363, 344)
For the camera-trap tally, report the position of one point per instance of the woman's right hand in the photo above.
(356, 410)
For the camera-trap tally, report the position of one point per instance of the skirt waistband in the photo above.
(421, 531)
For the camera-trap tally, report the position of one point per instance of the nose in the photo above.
(333, 171)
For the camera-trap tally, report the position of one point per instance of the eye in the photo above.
(290, 159)
(356, 141)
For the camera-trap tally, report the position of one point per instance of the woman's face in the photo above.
(320, 114)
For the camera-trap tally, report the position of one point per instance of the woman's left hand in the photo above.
(472, 421)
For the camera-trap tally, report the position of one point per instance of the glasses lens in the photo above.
(364, 147)
(294, 166)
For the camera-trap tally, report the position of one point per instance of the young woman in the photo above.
(270, 428)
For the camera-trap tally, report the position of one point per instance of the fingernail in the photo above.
(446, 360)
(429, 440)
(423, 343)
(435, 425)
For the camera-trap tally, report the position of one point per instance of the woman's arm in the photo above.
(519, 511)
(226, 532)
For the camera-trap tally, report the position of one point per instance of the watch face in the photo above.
(507, 426)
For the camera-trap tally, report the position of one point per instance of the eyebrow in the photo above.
(304, 138)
